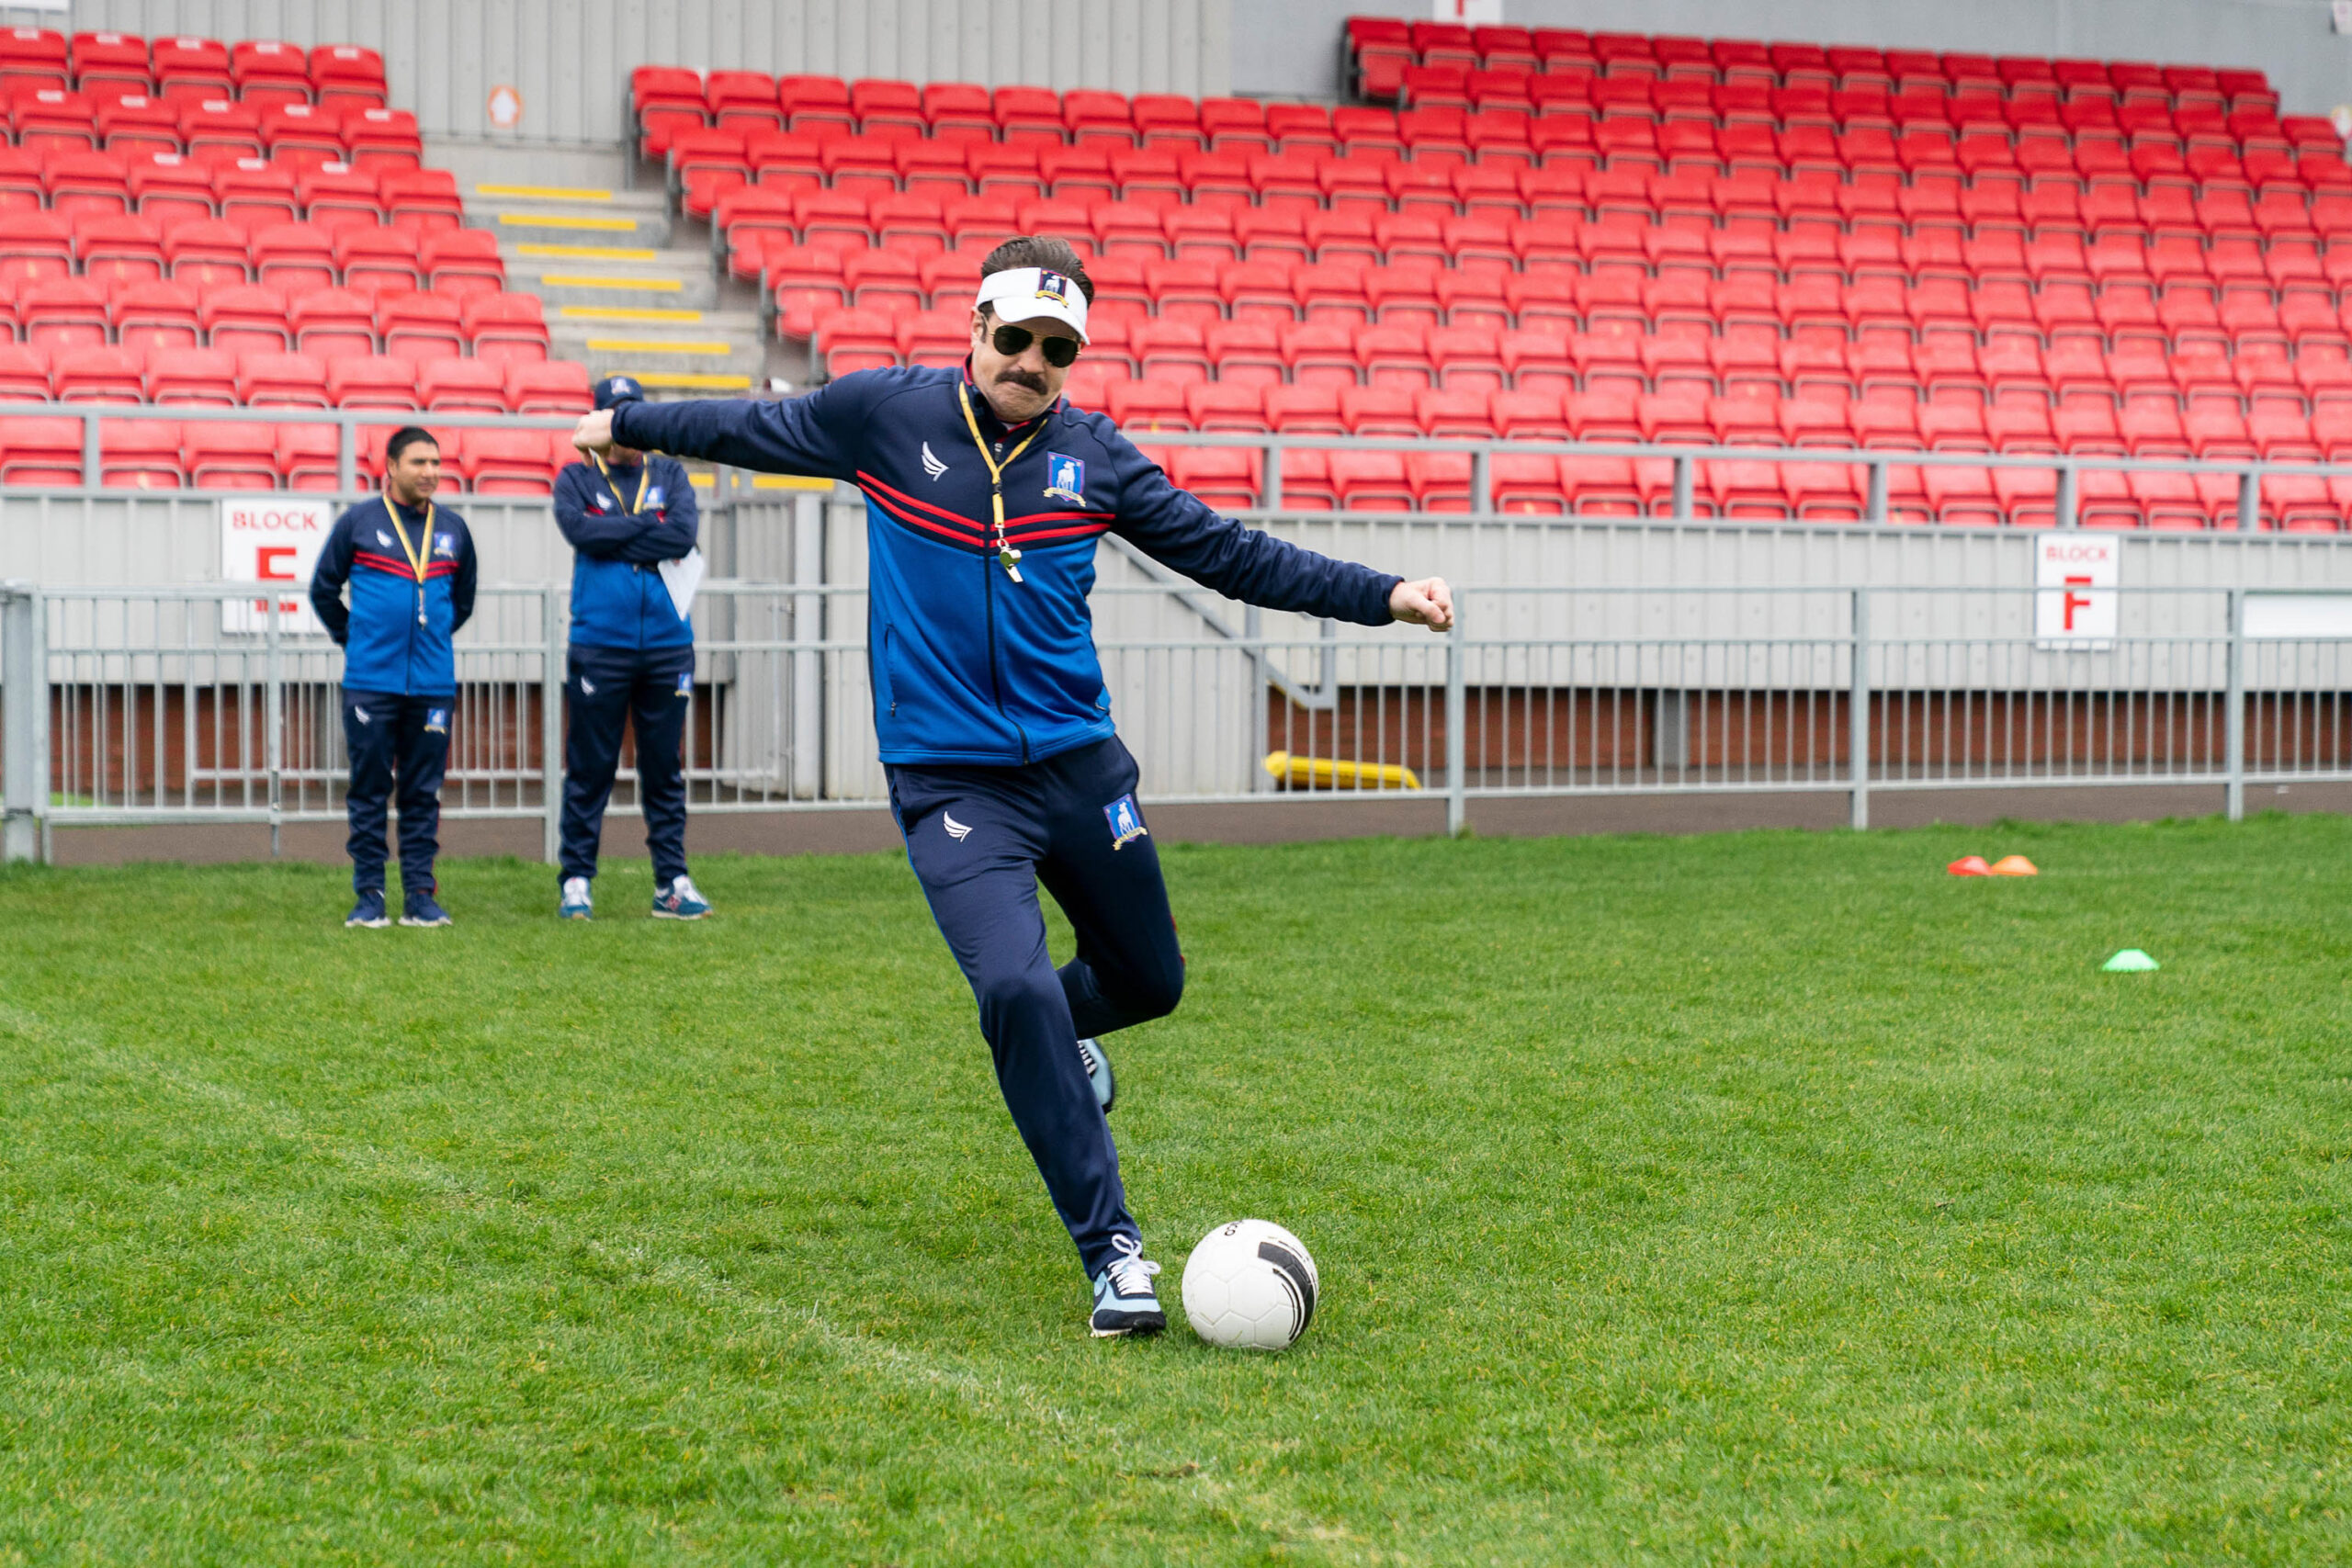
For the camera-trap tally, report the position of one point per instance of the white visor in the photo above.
(1030, 294)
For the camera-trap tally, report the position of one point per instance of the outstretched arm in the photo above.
(790, 435)
(1177, 530)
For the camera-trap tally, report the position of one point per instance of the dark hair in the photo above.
(406, 436)
(1034, 250)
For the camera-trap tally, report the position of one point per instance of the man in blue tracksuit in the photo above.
(626, 513)
(984, 496)
(410, 566)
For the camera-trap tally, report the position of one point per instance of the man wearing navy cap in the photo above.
(627, 513)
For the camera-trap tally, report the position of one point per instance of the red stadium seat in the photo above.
(277, 381)
(39, 451)
(230, 456)
(372, 383)
(509, 328)
(509, 462)
(348, 75)
(203, 376)
(557, 386)
(139, 453)
(331, 323)
(420, 327)
(452, 385)
(99, 374)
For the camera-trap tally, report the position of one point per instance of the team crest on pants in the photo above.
(685, 683)
(436, 721)
(1066, 479)
(1126, 822)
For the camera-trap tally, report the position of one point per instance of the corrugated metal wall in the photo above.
(571, 59)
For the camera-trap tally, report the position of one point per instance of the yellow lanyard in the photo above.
(643, 475)
(1005, 554)
(418, 559)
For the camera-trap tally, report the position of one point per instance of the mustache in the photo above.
(1020, 378)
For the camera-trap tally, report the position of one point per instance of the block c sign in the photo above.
(274, 538)
(2071, 612)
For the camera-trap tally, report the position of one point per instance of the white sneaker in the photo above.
(1124, 1300)
(576, 905)
(681, 901)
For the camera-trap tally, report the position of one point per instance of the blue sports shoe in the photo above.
(368, 911)
(576, 905)
(681, 901)
(419, 910)
(1097, 1073)
(1125, 1302)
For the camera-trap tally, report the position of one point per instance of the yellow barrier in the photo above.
(1322, 773)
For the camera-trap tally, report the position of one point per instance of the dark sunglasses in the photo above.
(1059, 352)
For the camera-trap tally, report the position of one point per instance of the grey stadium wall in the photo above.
(569, 59)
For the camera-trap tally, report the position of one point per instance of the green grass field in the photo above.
(1760, 1199)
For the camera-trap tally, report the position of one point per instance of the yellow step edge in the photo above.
(587, 252)
(689, 380)
(587, 280)
(545, 193)
(625, 313)
(566, 221)
(658, 346)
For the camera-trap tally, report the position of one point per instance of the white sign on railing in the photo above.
(2072, 613)
(273, 539)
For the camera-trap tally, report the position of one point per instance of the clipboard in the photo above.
(681, 577)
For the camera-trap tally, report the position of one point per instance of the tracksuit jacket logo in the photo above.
(931, 463)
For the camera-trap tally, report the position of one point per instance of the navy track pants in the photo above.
(980, 839)
(610, 687)
(396, 743)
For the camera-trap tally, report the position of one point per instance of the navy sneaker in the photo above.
(681, 901)
(368, 911)
(1097, 1073)
(576, 905)
(1124, 1300)
(419, 910)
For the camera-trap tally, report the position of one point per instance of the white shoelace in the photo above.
(1130, 1271)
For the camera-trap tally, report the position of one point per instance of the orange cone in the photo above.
(1970, 865)
(2014, 866)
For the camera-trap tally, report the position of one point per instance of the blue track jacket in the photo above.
(617, 596)
(384, 646)
(969, 665)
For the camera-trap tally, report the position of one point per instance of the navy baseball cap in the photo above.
(615, 391)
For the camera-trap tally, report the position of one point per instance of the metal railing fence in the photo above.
(153, 705)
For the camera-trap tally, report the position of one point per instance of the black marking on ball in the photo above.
(1293, 1268)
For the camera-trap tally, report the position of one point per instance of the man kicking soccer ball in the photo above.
(985, 495)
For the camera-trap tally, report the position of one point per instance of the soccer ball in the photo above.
(1249, 1286)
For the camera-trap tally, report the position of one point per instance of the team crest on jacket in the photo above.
(444, 544)
(1126, 822)
(1065, 478)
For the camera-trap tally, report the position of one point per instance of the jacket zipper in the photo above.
(996, 681)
